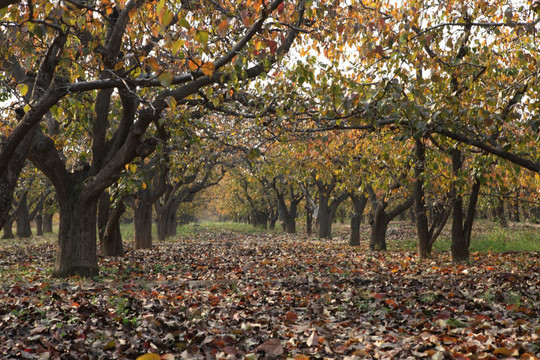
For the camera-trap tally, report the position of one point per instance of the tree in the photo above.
(120, 52)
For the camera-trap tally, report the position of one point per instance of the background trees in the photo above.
(322, 100)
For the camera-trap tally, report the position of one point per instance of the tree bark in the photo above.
(47, 223)
(24, 228)
(39, 224)
(77, 236)
(110, 236)
(309, 220)
(359, 204)
(8, 229)
(422, 223)
(461, 230)
(143, 221)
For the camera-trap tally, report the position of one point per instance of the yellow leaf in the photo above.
(208, 68)
(149, 356)
(23, 89)
(167, 18)
(118, 65)
(144, 185)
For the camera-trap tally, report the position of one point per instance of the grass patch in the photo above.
(487, 237)
(216, 227)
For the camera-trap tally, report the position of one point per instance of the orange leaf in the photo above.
(208, 68)
(300, 357)
(223, 28)
(153, 63)
(194, 64)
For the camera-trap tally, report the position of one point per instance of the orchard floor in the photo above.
(233, 295)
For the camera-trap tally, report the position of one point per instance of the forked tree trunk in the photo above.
(461, 231)
(77, 237)
(110, 236)
(47, 223)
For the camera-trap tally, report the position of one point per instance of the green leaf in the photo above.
(183, 22)
(202, 37)
(166, 78)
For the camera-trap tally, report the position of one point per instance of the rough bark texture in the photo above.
(8, 229)
(143, 221)
(110, 237)
(359, 204)
(24, 228)
(76, 237)
(47, 223)
(39, 224)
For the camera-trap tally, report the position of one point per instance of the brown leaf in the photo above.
(271, 347)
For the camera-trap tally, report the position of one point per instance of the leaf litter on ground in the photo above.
(235, 296)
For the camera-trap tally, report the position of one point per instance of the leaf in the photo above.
(300, 357)
(202, 37)
(291, 316)
(167, 357)
(223, 28)
(153, 63)
(167, 18)
(271, 347)
(313, 339)
(149, 356)
(184, 23)
(23, 89)
(506, 351)
(166, 78)
(208, 68)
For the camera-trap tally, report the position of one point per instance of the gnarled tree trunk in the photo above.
(359, 204)
(76, 236)
(24, 228)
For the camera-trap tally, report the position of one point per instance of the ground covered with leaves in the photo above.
(236, 296)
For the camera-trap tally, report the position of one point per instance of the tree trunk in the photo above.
(359, 204)
(324, 218)
(500, 213)
(76, 237)
(8, 229)
(39, 224)
(378, 229)
(461, 231)
(143, 222)
(24, 229)
(110, 236)
(290, 218)
(309, 220)
(422, 223)
(47, 223)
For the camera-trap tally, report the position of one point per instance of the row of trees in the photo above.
(390, 104)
